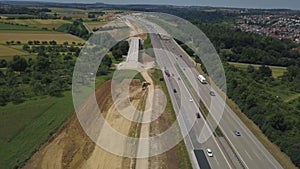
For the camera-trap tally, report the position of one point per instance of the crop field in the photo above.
(67, 11)
(25, 36)
(38, 23)
(4, 26)
(276, 71)
(6, 51)
(25, 126)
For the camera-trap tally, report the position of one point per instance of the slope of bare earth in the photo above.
(72, 148)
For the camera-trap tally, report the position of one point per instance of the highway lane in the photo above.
(254, 155)
(188, 109)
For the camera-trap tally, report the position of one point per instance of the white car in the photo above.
(191, 99)
(209, 152)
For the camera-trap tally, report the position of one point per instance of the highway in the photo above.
(186, 110)
(247, 148)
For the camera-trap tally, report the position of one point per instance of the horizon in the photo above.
(251, 4)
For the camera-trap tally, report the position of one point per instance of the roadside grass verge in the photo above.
(182, 153)
(281, 157)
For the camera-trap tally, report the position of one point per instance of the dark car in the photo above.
(212, 93)
(198, 115)
(174, 90)
(237, 133)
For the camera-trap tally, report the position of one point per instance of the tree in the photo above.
(103, 70)
(18, 63)
(3, 63)
(54, 89)
(264, 72)
(26, 47)
(117, 54)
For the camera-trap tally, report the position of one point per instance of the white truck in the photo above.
(202, 79)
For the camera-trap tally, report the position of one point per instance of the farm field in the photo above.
(67, 11)
(24, 127)
(5, 26)
(25, 36)
(93, 25)
(6, 51)
(38, 23)
(276, 71)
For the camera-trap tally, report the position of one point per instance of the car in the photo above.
(198, 115)
(212, 93)
(209, 152)
(174, 90)
(191, 99)
(237, 133)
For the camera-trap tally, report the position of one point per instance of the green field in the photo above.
(38, 23)
(5, 26)
(276, 71)
(25, 127)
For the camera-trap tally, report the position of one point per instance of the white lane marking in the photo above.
(216, 159)
(248, 155)
(256, 154)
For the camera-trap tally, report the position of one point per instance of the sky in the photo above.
(287, 4)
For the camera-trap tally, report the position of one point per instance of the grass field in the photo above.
(38, 23)
(276, 71)
(6, 51)
(25, 36)
(93, 25)
(4, 26)
(25, 127)
(181, 151)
